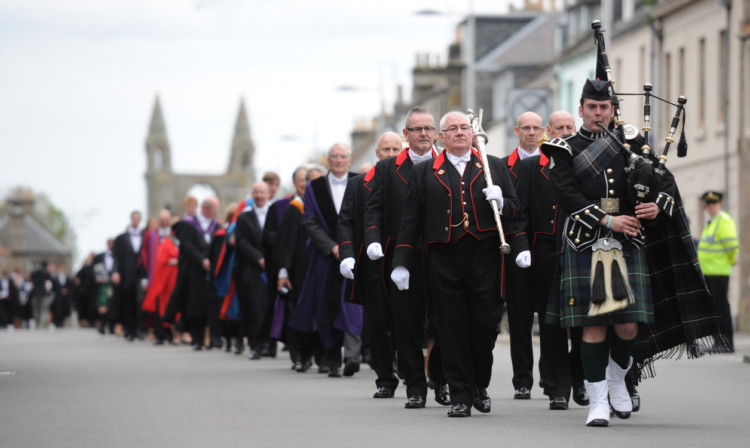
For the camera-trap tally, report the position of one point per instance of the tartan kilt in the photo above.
(570, 296)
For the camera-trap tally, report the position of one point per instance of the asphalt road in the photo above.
(75, 388)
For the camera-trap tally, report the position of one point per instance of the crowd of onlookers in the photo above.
(44, 297)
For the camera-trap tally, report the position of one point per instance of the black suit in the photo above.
(367, 287)
(520, 308)
(62, 300)
(252, 295)
(450, 212)
(124, 307)
(383, 215)
(539, 235)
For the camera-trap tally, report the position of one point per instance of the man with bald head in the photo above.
(560, 124)
(248, 270)
(529, 131)
(447, 206)
(320, 302)
(362, 284)
(383, 214)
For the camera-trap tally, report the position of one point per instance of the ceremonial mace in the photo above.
(476, 127)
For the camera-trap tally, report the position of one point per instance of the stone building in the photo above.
(167, 189)
(24, 241)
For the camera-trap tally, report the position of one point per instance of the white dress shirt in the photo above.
(416, 158)
(522, 154)
(459, 161)
(261, 213)
(338, 187)
(135, 238)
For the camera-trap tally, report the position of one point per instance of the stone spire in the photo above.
(243, 149)
(157, 143)
(157, 120)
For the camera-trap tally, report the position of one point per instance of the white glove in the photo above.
(523, 260)
(347, 268)
(400, 277)
(374, 251)
(494, 193)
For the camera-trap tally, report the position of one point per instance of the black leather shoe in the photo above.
(254, 355)
(383, 392)
(351, 367)
(482, 401)
(415, 402)
(636, 400)
(323, 369)
(580, 396)
(620, 414)
(303, 366)
(239, 350)
(558, 403)
(442, 395)
(522, 393)
(460, 410)
(335, 372)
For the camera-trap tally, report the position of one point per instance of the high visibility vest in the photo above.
(718, 247)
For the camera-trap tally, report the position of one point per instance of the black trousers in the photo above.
(554, 361)
(129, 309)
(378, 323)
(464, 281)
(520, 305)
(718, 286)
(408, 322)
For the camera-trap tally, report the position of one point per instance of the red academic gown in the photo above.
(164, 278)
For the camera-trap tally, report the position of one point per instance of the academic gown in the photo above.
(191, 289)
(322, 292)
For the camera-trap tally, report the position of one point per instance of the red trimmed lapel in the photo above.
(543, 162)
(402, 156)
(440, 172)
(513, 158)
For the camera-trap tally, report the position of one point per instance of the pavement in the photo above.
(75, 388)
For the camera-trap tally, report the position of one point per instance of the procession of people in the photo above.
(408, 265)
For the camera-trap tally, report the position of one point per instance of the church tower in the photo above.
(157, 144)
(243, 149)
(159, 176)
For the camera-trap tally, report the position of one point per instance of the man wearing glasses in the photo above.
(447, 207)
(529, 131)
(382, 220)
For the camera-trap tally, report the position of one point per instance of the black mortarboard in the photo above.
(712, 197)
(596, 90)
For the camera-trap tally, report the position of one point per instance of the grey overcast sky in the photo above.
(78, 80)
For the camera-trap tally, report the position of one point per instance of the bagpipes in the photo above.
(610, 290)
(644, 171)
